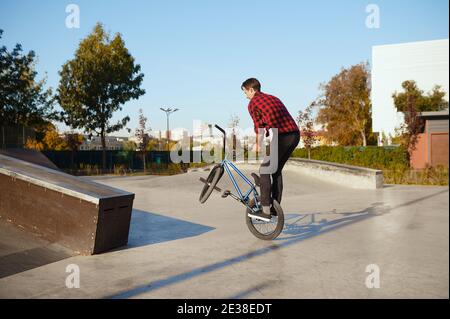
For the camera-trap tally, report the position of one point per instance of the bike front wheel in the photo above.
(262, 229)
(211, 182)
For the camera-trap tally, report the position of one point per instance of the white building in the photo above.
(95, 143)
(426, 62)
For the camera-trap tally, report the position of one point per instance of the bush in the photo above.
(369, 156)
(392, 160)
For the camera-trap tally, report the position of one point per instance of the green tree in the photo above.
(23, 98)
(411, 102)
(73, 141)
(432, 101)
(345, 107)
(96, 83)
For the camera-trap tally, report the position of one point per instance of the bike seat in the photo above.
(256, 178)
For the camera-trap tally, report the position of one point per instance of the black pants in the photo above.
(287, 142)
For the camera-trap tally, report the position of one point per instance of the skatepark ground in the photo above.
(179, 248)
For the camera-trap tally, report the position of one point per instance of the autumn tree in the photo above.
(51, 140)
(96, 83)
(305, 122)
(345, 106)
(129, 146)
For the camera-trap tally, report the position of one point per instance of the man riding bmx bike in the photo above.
(268, 112)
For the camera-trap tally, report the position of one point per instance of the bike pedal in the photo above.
(226, 194)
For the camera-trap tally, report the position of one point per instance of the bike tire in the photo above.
(269, 235)
(213, 178)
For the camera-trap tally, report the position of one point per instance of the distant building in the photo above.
(95, 143)
(426, 62)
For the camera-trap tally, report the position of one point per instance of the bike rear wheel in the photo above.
(262, 229)
(211, 182)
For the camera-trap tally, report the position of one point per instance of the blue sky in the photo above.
(196, 53)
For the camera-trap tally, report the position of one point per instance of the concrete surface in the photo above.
(179, 248)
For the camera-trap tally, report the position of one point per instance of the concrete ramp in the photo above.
(74, 212)
(30, 156)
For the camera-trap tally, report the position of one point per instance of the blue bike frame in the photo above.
(226, 164)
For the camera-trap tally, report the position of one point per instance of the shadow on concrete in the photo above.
(29, 252)
(31, 258)
(21, 250)
(150, 228)
(302, 226)
(348, 218)
(296, 235)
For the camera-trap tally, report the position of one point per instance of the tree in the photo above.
(412, 101)
(96, 83)
(432, 101)
(73, 142)
(129, 146)
(152, 145)
(306, 124)
(233, 124)
(142, 136)
(23, 99)
(51, 141)
(345, 106)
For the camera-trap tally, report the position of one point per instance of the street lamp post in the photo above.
(168, 111)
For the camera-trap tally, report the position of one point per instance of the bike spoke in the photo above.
(265, 228)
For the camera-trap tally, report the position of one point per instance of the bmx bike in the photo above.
(262, 228)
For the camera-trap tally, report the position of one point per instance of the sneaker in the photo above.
(273, 211)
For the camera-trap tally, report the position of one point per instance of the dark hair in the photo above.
(252, 83)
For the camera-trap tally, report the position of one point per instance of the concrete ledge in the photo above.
(344, 175)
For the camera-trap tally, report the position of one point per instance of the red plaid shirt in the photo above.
(268, 111)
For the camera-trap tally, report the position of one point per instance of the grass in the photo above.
(437, 176)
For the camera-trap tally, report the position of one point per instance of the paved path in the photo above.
(179, 248)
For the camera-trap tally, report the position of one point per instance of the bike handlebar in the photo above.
(220, 129)
(224, 135)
